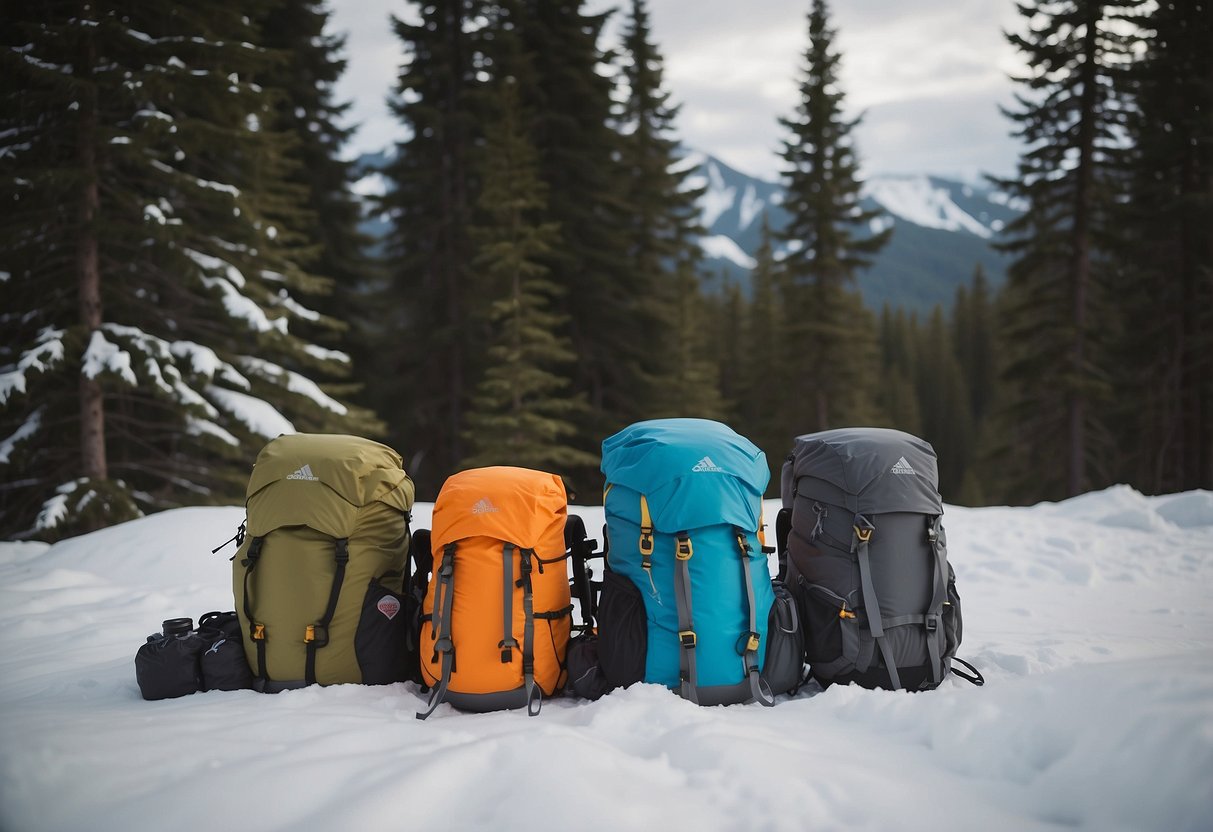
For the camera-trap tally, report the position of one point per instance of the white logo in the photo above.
(215, 647)
(706, 464)
(389, 605)
(304, 473)
(902, 467)
(483, 506)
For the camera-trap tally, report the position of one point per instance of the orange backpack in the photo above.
(497, 615)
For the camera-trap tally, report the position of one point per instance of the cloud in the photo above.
(928, 75)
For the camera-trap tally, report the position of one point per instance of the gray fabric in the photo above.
(871, 604)
(508, 642)
(854, 467)
(689, 689)
(759, 689)
(504, 700)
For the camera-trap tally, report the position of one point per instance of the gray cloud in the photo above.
(928, 75)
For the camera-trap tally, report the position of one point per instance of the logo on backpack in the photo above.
(484, 506)
(389, 605)
(706, 464)
(304, 473)
(903, 467)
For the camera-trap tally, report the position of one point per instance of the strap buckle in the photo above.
(646, 540)
(748, 643)
(687, 638)
(931, 623)
(863, 528)
(317, 634)
(258, 633)
(685, 550)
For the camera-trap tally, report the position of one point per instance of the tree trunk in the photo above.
(88, 275)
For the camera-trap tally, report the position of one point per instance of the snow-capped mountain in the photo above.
(942, 228)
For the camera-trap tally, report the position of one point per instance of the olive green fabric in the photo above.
(307, 491)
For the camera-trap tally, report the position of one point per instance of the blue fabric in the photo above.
(659, 459)
(664, 459)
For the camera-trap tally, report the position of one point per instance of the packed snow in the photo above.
(1091, 619)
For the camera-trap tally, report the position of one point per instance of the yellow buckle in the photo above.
(259, 632)
(752, 645)
(310, 633)
(845, 613)
(687, 638)
(864, 535)
(646, 542)
(685, 549)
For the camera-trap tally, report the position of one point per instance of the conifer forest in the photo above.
(183, 275)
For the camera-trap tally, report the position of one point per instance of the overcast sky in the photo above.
(928, 76)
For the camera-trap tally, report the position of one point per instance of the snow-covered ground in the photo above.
(1091, 619)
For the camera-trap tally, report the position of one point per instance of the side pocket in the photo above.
(953, 625)
(623, 632)
(381, 642)
(784, 661)
(831, 631)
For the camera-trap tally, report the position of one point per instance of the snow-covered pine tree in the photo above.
(151, 272)
(829, 342)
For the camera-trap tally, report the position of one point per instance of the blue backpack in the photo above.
(687, 598)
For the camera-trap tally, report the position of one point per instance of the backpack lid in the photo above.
(879, 469)
(359, 470)
(515, 505)
(692, 472)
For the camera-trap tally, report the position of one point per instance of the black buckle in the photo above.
(931, 623)
(343, 550)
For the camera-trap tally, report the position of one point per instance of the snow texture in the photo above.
(28, 428)
(1091, 620)
(257, 415)
(917, 199)
(725, 248)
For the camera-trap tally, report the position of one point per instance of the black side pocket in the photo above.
(586, 678)
(167, 666)
(784, 661)
(623, 632)
(953, 625)
(381, 643)
(831, 631)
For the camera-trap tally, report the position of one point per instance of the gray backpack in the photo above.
(863, 551)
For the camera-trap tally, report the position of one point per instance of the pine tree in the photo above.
(305, 109)
(579, 162)
(943, 401)
(1165, 292)
(831, 331)
(663, 254)
(434, 344)
(900, 362)
(152, 274)
(1071, 117)
(522, 412)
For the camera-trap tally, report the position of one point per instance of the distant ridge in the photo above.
(943, 229)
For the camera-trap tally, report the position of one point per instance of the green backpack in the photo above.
(319, 579)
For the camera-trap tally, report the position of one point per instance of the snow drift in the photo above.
(1091, 619)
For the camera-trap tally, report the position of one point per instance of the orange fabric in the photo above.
(480, 510)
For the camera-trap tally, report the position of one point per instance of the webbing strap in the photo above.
(256, 631)
(317, 635)
(688, 672)
(862, 531)
(934, 616)
(440, 623)
(508, 642)
(759, 688)
(534, 694)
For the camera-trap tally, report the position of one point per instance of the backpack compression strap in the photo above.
(862, 531)
(440, 622)
(256, 631)
(934, 616)
(508, 643)
(759, 689)
(316, 635)
(534, 694)
(687, 671)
